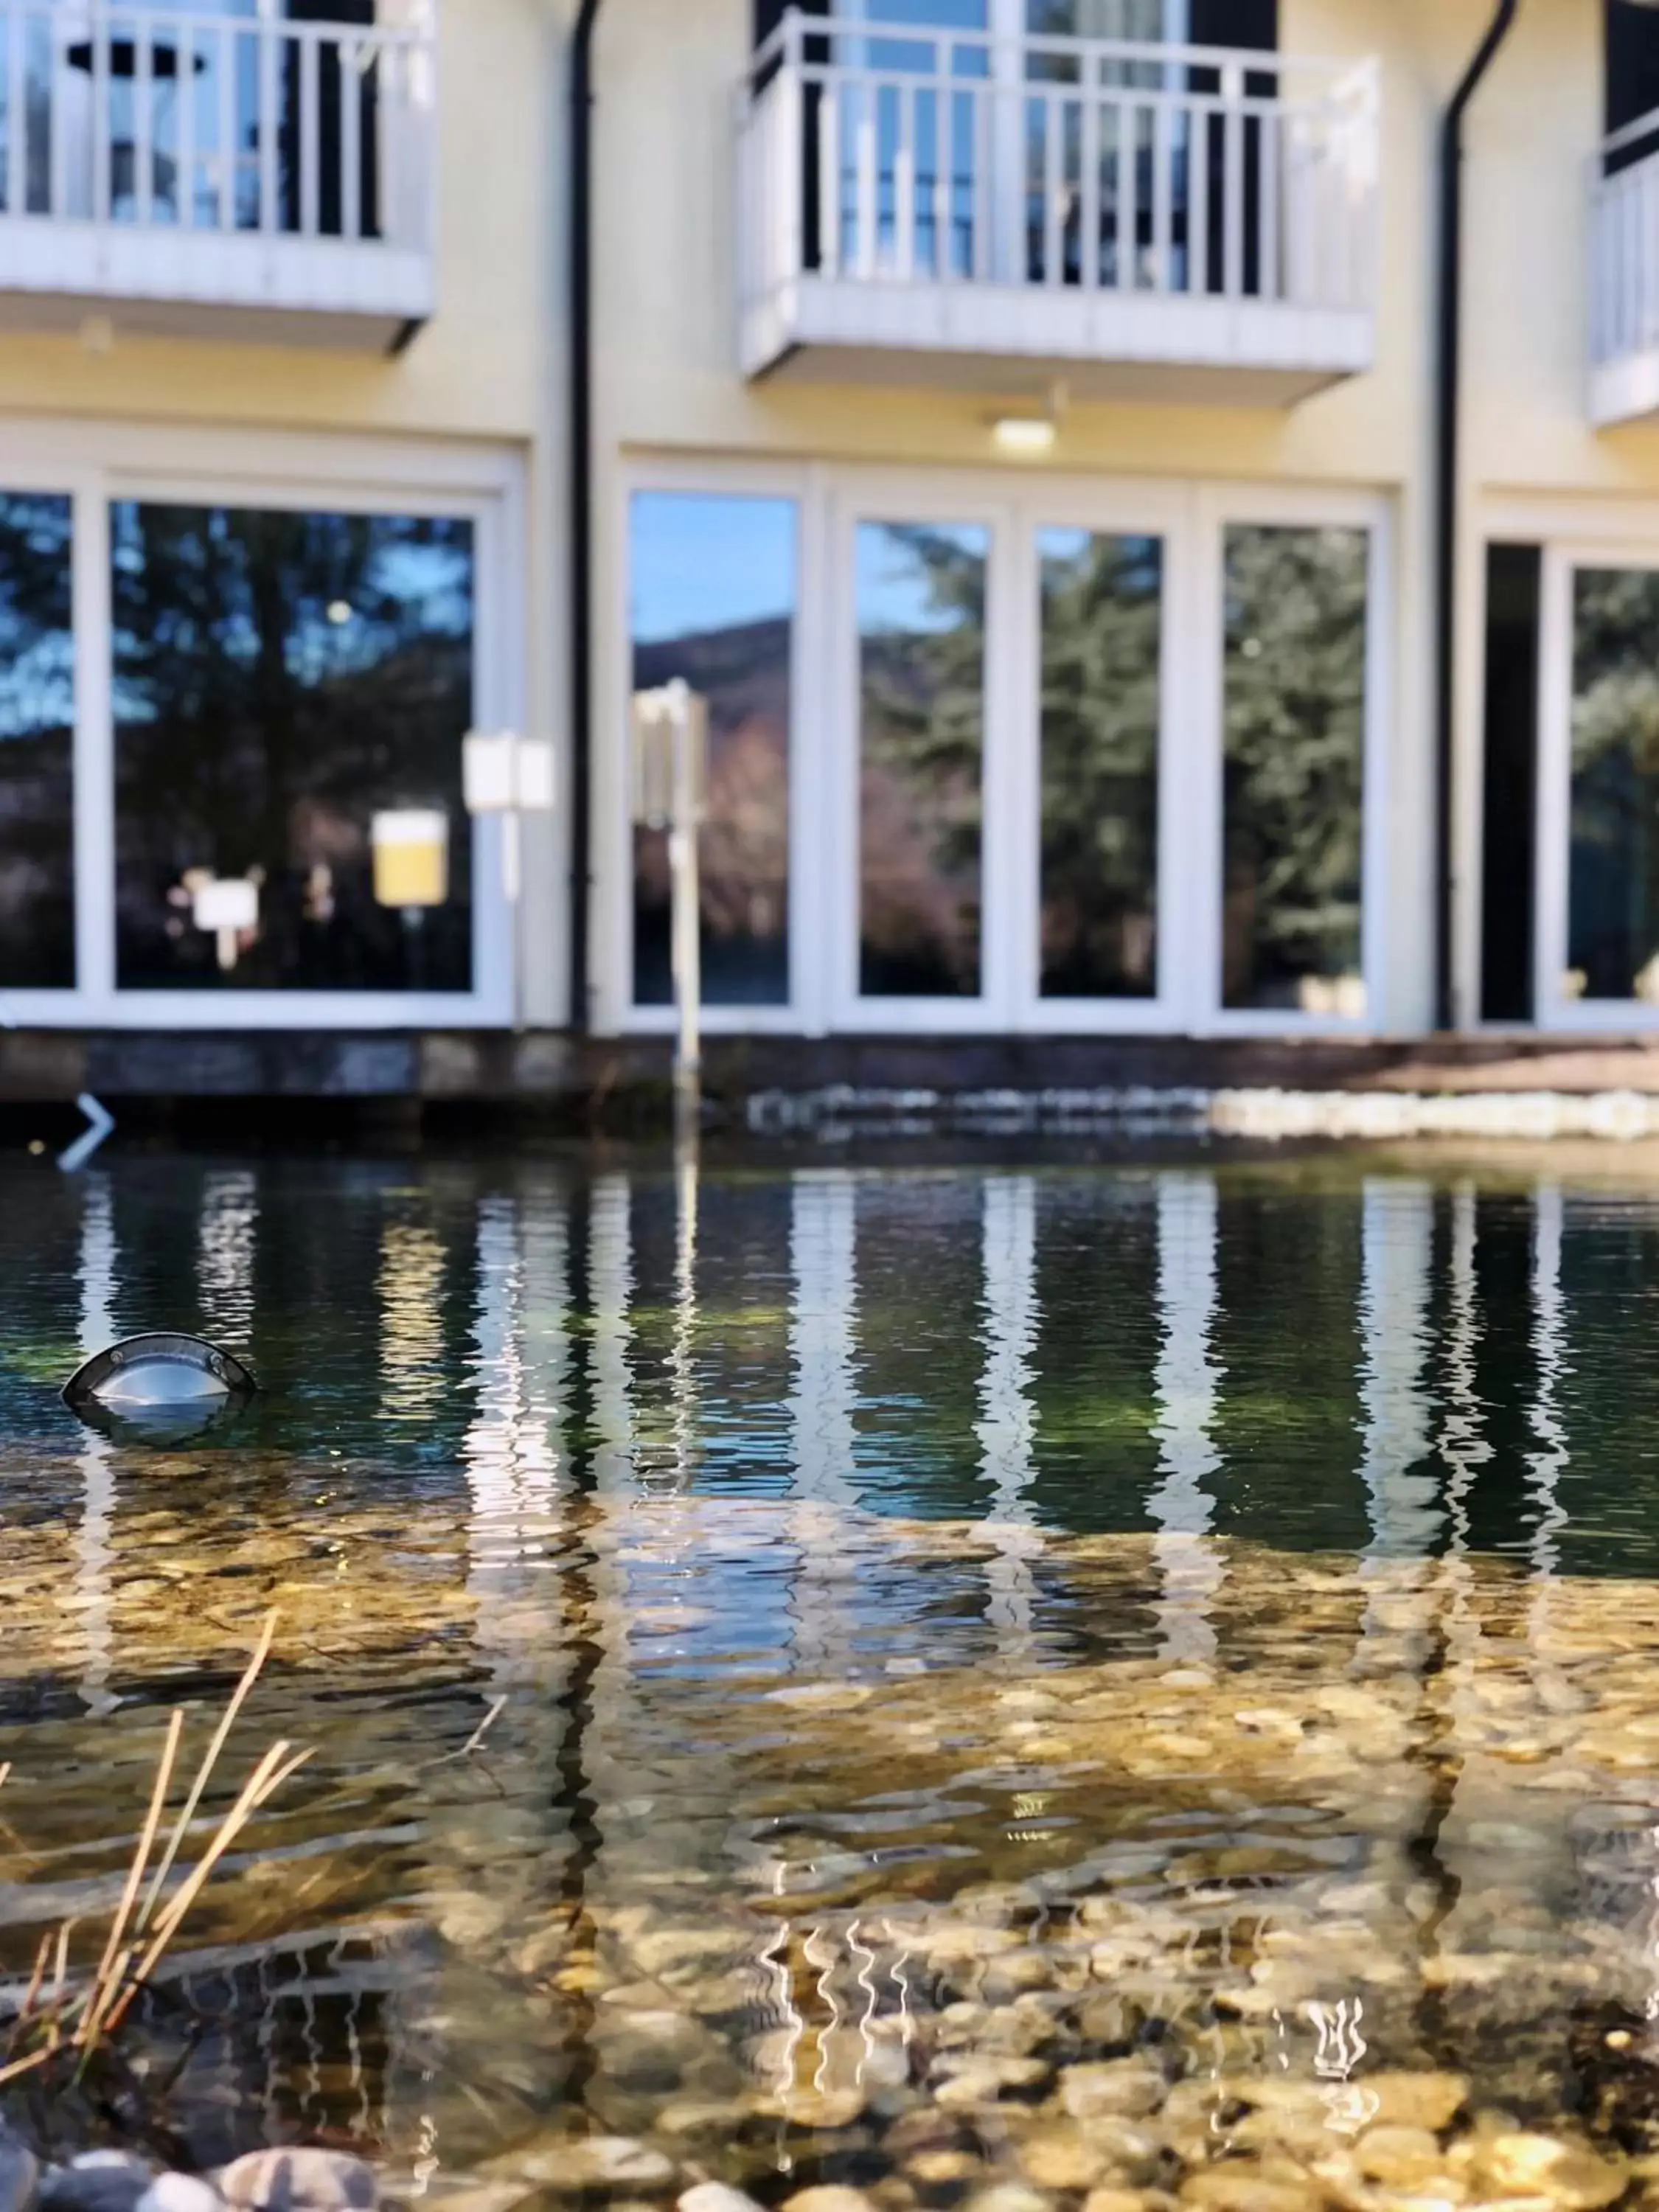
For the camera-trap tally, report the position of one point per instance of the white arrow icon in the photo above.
(101, 1124)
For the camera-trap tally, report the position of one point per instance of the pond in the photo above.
(980, 1685)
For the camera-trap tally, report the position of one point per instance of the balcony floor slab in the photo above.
(1003, 339)
(239, 286)
(1625, 389)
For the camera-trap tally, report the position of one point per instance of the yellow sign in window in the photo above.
(411, 857)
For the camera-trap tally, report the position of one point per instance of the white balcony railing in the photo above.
(1625, 274)
(1086, 200)
(216, 161)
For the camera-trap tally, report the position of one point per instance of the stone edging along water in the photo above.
(1263, 1115)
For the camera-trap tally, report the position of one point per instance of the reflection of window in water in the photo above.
(713, 602)
(287, 685)
(37, 724)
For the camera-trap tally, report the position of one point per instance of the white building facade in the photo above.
(1016, 417)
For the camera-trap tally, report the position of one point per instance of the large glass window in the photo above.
(1612, 948)
(291, 692)
(921, 721)
(714, 605)
(37, 741)
(1101, 621)
(1295, 767)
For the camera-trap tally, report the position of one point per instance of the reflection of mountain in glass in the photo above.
(281, 679)
(744, 672)
(37, 721)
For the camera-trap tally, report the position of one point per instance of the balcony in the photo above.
(1625, 275)
(214, 174)
(923, 205)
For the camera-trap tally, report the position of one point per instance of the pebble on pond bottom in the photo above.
(1323, 1887)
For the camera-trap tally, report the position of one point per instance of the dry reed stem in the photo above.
(181, 1828)
(25, 2010)
(158, 1798)
(273, 1770)
(448, 1758)
(60, 1974)
(100, 2008)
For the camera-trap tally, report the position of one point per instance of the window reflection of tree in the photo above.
(1614, 932)
(37, 718)
(1296, 643)
(922, 743)
(1101, 622)
(279, 678)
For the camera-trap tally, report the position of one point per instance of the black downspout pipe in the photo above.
(1448, 414)
(580, 428)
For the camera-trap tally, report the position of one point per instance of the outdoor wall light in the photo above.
(160, 1389)
(1024, 437)
(1028, 433)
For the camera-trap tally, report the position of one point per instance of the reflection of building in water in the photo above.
(1549, 1342)
(304, 2038)
(1396, 1243)
(1401, 1493)
(823, 1399)
(683, 1356)
(1186, 1384)
(226, 1243)
(1008, 1425)
(611, 1260)
(1515, 1831)
(510, 1450)
(1464, 1446)
(615, 1483)
(1464, 1449)
(410, 1292)
(94, 1549)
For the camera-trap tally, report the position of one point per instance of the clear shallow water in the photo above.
(941, 1629)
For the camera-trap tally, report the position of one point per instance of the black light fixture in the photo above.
(160, 1389)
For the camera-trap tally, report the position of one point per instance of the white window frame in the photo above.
(1553, 821)
(96, 463)
(1013, 507)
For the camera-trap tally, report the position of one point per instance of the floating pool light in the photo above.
(160, 1388)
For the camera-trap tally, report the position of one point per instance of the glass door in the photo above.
(921, 591)
(1295, 659)
(1598, 800)
(1100, 690)
(1067, 758)
(1013, 694)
